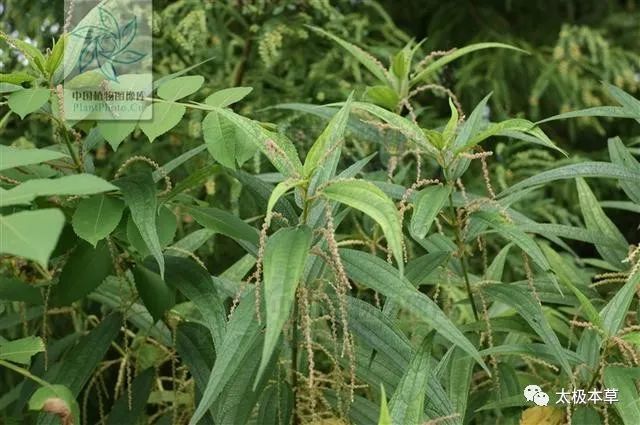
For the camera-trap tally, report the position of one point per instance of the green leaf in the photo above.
(450, 129)
(624, 380)
(628, 102)
(280, 151)
(31, 234)
(512, 233)
(225, 97)
(277, 193)
(176, 162)
(330, 139)
(380, 276)
(140, 390)
(24, 102)
(139, 193)
(584, 169)
(57, 53)
(439, 63)
(96, 217)
(84, 271)
(165, 116)
(621, 156)
(196, 285)
(17, 290)
(21, 350)
(597, 222)
(115, 131)
(227, 224)
(180, 87)
(385, 416)
(598, 111)
(530, 310)
(471, 126)
(242, 334)
(11, 157)
(372, 64)
(157, 296)
(225, 142)
(76, 184)
(383, 96)
(166, 226)
(615, 312)
(366, 197)
(285, 254)
(427, 205)
(43, 398)
(407, 403)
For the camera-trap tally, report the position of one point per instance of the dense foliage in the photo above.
(328, 220)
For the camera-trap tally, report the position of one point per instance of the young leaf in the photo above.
(380, 276)
(31, 234)
(329, 140)
(427, 205)
(96, 217)
(385, 416)
(24, 102)
(278, 192)
(285, 254)
(597, 222)
(225, 97)
(21, 350)
(165, 116)
(366, 197)
(139, 193)
(471, 126)
(180, 87)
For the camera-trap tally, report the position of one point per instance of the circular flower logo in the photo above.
(107, 44)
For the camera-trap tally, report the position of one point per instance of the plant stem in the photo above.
(294, 361)
(72, 152)
(24, 372)
(463, 264)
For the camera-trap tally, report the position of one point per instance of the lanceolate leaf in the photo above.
(242, 332)
(157, 296)
(31, 234)
(620, 155)
(439, 63)
(600, 224)
(471, 126)
(196, 284)
(614, 313)
(624, 381)
(84, 271)
(11, 157)
(428, 203)
(385, 416)
(530, 310)
(227, 224)
(584, 169)
(407, 403)
(378, 275)
(329, 140)
(21, 350)
(139, 193)
(366, 197)
(373, 65)
(76, 184)
(285, 254)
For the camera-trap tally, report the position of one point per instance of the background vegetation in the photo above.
(415, 251)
